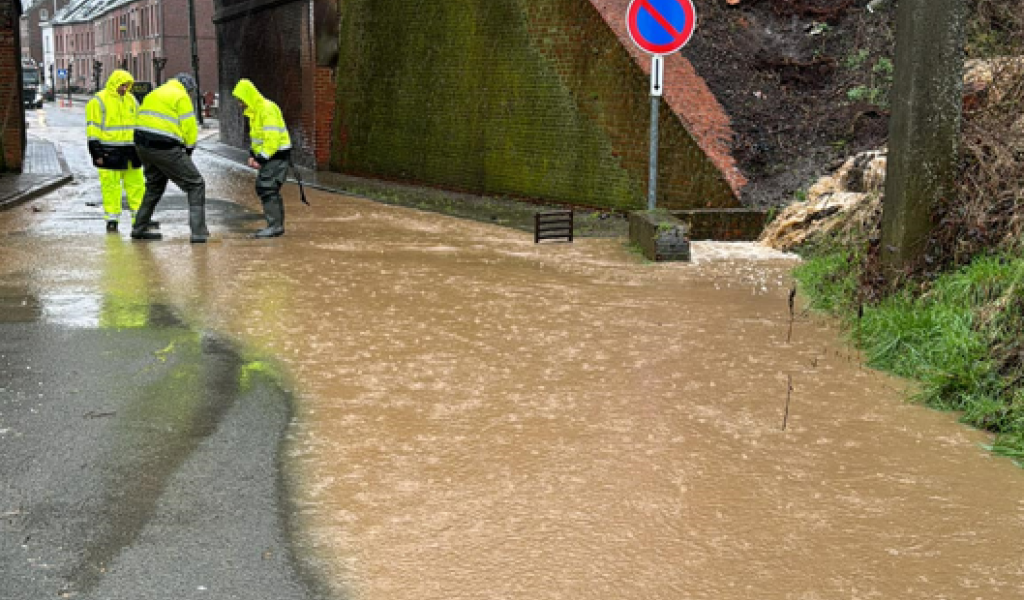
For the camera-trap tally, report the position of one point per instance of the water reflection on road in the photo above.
(482, 417)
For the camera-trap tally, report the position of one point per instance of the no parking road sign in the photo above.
(660, 26)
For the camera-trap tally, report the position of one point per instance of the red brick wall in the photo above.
(178, 49)
(12, 114)
(324, 91)
(272, 46)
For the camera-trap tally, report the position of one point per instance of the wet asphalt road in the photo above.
(139, 463)
(137, 459)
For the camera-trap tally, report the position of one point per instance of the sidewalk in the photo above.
(44, 171)
(508, 212)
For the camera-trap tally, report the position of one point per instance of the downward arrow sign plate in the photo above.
(657, 74)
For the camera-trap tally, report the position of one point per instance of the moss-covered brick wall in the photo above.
(526, 98)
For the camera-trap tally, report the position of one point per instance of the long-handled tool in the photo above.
(298, 179)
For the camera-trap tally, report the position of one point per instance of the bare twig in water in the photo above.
(792, 314)
(789, 395)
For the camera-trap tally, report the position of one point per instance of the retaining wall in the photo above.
(539, 99)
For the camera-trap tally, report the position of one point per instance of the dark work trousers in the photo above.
(269, 180)
(176, 165)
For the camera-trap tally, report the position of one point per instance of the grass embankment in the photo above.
(955, 321)
(961, 337)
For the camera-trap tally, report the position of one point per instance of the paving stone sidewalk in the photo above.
(44, 171)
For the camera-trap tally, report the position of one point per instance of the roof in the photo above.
(86, 10)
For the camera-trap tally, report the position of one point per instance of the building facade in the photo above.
(73, 51)
(33, 19)
(148, 38)
(48, 64)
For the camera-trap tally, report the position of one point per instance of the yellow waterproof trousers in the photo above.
(111, 185)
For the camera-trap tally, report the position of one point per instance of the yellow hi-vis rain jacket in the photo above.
(167, 112)
(110, 122)
(267, 130)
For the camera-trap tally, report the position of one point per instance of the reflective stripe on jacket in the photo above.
(110, 117)
(167, 112)
(267, 129)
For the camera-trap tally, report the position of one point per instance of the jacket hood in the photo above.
(247, 92)
(118, 78)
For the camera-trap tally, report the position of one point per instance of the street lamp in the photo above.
(97, 72)
(195, 59)
(158, 66)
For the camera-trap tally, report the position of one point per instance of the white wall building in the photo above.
(46, 27)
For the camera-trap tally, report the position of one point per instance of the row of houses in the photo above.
(80, 42)
(288, 48)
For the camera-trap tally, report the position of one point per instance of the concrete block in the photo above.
(660, 236)
(724, 224)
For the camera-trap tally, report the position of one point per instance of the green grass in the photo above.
(828, 282)
(960, 339)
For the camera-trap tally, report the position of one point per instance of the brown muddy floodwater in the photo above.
(482, 417)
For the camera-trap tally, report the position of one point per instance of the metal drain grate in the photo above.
(552, 225)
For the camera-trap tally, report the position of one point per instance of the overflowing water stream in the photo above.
(478, 416)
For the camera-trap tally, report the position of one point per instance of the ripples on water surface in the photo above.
(482, 417)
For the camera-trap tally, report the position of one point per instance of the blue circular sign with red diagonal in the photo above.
(660, 26)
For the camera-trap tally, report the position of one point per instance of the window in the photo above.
(44, 15)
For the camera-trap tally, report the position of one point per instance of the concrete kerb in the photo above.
(40, 186)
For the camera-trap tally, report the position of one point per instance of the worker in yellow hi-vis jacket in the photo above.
(270, 152)
(110, 127)
(166, 135)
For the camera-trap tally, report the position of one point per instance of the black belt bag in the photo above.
(119, 158)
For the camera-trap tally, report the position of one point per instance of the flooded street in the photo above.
(478, 416)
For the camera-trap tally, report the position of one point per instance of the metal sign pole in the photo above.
(658, 27)
(657, 83)
(652, 179)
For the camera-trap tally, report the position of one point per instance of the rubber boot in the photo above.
(197, 223)
(151, 225)
(273, 209)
